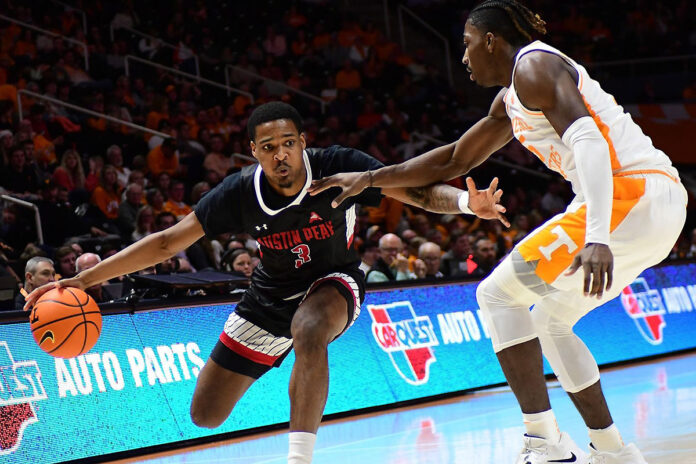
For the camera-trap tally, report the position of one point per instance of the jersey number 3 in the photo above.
(302, 252)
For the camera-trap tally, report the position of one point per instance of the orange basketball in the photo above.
(65, 322)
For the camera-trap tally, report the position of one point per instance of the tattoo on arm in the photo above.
(439, 198)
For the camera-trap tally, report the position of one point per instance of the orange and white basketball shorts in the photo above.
(648, 214)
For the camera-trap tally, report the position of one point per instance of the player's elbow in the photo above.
(164, 245)
(458, 167)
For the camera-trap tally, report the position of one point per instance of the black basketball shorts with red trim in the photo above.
(257, 335)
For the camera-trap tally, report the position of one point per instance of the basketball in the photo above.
(65, 322)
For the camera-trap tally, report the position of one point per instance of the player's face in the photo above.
(278, 149)
(478, 56)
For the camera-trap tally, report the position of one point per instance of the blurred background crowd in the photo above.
(196, 69)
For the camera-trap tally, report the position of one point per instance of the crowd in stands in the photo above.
(100, 185)
(591, 30)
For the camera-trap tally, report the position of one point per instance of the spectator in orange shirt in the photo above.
(155, 200)
(70, 173)
(176, 204)
(96, 164)
(369, 118)
(241, 101)
(163, 158)
(300, 46)
(24, 47)
(348, 33)
(107, 195)
(348, 77)
(216, 160)
(295, 18)
(322, 38)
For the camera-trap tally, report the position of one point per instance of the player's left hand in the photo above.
(351, 184)
(486, 203)
(597, 263)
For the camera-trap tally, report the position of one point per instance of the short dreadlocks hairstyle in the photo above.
(513, 21)
(272, 111)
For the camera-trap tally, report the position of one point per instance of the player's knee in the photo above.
(546, 324)
(205, 417)
(486, 294)
(310, 333)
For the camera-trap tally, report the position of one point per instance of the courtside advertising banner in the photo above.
(134, 388)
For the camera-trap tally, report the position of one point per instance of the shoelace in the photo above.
(528, 450)
(597, 459)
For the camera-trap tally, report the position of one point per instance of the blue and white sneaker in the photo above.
(629, 454)
(540, 451)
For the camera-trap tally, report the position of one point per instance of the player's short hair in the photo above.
(511, 20)
(272, 111)
(34, 262)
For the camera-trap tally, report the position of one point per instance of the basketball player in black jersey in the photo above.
(307, 289)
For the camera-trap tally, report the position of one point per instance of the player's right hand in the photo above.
(37, 292)
(351, 184)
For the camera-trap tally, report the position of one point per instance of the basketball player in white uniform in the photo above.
(629, 209)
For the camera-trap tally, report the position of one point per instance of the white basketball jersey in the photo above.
(631, 151)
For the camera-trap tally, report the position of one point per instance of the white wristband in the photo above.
(463, 203)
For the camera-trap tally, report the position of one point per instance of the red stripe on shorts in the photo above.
(343, 281)
(247, 352)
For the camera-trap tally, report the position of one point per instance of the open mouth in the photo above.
(471, 74)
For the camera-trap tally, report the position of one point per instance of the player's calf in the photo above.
(217, 392)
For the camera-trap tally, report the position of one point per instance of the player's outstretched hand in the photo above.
(486, 203)
(597, 263)
(351, 184)
(36, 294)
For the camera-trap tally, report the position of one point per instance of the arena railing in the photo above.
(507, 164)
(52, 34)
(402, 31)
(31, 206)
(185, 74)
(158, 40)
(633, 65)
(285, 86)
(81, 109)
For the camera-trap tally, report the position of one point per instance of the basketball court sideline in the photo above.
(654, 405)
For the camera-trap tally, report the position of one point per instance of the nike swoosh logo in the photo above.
(572, 458)
(48, 334)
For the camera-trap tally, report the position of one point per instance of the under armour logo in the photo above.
(263, 226)
(314, 217)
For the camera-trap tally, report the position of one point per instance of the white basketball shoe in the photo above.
(540, 451)
(629, 454)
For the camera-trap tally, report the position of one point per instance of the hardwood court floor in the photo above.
(653, 403)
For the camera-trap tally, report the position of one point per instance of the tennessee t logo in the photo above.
(562, 239)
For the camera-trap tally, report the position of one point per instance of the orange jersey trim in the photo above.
(604, 129)
(627, 193)
(646, 171)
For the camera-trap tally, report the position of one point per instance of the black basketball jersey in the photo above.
(300, 238)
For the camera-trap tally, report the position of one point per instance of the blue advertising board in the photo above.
(133, 389)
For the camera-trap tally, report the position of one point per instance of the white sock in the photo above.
(608, 439)
(301, 447)
(542, 425)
